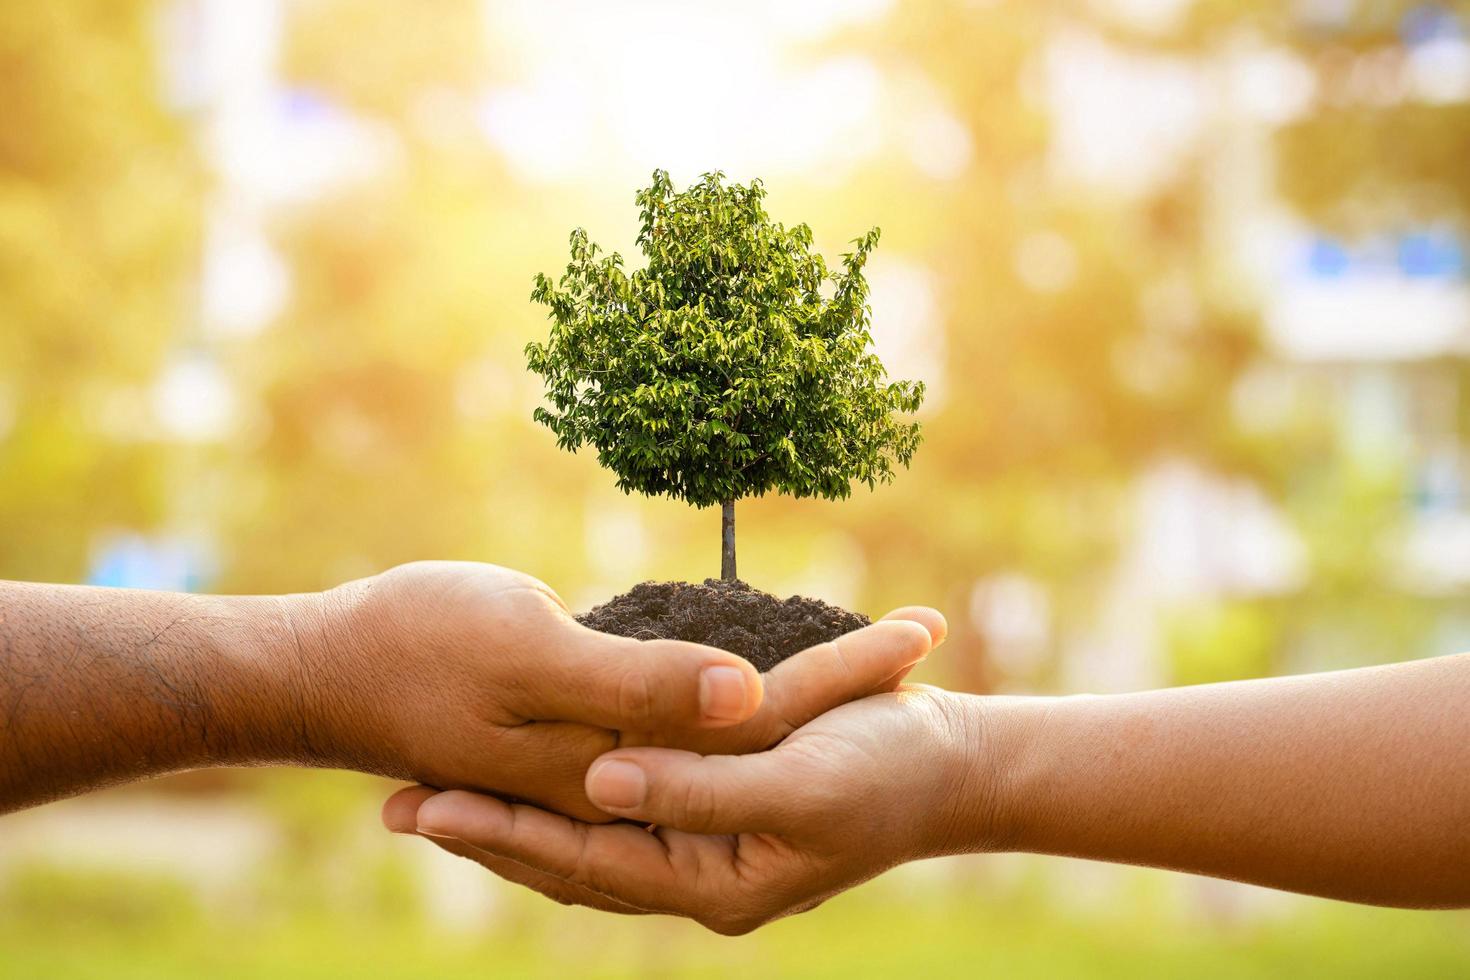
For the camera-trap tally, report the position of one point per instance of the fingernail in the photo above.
(618, 785)
(429, 832)
(722, 693)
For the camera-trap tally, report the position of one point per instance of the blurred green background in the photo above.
(1187, 281)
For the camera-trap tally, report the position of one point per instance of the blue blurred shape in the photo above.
(1428, 23)
(1438, 485)
(1327, 258)
(1431, 255)
(132, 561)
(302, 105)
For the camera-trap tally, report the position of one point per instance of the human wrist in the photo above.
(287, 688)
(252, 651)
(961, 792)
(990, 740)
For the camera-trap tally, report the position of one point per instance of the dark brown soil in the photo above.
(730, 615)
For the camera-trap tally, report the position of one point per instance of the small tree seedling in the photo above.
(734, 363)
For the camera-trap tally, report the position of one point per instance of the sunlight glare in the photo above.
(687, 87)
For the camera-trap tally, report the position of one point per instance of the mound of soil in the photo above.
(733, 616)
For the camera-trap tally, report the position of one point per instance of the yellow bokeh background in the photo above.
(1187, 281)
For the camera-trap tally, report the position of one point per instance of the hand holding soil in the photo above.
(469, 676)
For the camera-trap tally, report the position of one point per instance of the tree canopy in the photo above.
(734, 363)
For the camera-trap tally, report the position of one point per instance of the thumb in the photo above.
(711, 794)
(637, 685)
(872, 660)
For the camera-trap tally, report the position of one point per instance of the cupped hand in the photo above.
(467, 676)
(739, 840)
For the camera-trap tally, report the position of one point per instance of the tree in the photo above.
(722, 369)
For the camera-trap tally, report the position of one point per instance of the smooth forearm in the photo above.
(1354, 785)
(102, 686)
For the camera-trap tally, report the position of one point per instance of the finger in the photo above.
(711, 794)
(544, 763)
(631, 685)
(938, 628)
(931, 619)
(400, 815)
(559, 891)
(618, 861)
(873, 659)
(401, 810)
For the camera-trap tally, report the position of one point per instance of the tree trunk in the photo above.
(727, 541)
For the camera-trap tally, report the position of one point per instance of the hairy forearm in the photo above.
(102, 686)
(1353, 785)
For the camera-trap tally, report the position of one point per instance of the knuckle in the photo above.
(580, 870)
(830, 655)
(636, 705)
(524, 601)
(694, 804)
(837, 655)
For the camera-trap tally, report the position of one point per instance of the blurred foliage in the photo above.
(1058, 390)
(1059, 394)
(1337, 168)
(1353, 611)
(1224, 641)
(381, 58)
(68, 902)
(364, 459)
(884, 930)
(99, 213)
(394, 424)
